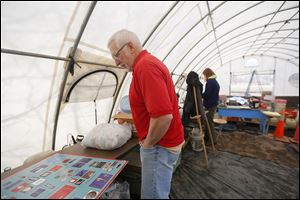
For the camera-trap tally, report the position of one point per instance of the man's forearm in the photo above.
(157, 129)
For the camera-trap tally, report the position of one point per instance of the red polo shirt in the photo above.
(152, 94)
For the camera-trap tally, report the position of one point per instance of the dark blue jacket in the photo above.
(211, 93)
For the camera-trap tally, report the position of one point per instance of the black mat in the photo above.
(232, 176)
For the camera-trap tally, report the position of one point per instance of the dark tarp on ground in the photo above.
(230, 175)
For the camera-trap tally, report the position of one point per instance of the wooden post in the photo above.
(207, 124)
(200, 126)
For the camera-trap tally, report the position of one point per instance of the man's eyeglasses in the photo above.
(116, 55)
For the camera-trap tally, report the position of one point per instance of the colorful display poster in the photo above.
(63, 176)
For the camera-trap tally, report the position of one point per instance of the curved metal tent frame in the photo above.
(264, 25)
(231, 39)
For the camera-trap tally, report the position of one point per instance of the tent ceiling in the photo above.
(185, 35)
(237, 29)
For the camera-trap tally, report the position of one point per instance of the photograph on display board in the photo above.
(58, 176)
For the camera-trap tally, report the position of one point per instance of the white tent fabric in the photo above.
(230, 37)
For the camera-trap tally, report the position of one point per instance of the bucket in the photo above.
(196, 139)
(280, 105)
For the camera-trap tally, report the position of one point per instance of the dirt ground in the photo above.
(260, 147)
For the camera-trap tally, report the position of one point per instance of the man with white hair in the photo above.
(154, 110)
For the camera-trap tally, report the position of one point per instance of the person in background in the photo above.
(155, 113)
(178, 96)
(210, 101)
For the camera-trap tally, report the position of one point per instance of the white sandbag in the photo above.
(107, 136)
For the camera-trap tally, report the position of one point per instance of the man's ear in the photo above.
(131, 46)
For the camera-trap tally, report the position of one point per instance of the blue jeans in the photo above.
(157, 169)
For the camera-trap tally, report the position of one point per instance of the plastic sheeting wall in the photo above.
(283, 70)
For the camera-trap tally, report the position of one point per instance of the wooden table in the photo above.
(123, 116)
(77, 149)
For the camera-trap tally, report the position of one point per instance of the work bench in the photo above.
(246, 112)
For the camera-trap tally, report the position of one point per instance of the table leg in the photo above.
(264, 125)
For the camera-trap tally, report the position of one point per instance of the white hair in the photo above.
(122, 37)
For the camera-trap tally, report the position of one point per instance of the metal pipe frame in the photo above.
(174, 27)
(283, 25)
(214, 59)
(234, 30)
(211, 31)
(235, 43)
(234, 51)
(214, 31)
(70, 65)
(264, 55)
(159, 23)
(279, 41)
(154, 35)
(230, 46)
(239, 57)
(195, 25)
(265, 26)
(36, 55)
(240, 41)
